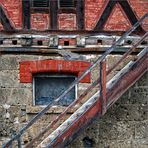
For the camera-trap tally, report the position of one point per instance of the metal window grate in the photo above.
(40, 3)
(66, 3)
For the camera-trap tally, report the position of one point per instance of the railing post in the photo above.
(103, 85)
(19, 142)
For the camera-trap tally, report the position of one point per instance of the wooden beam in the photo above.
(53, 14)
(105, 15)
(108, 9)
(26, 14)
(80, 14)
(130, 14)
(5, 21)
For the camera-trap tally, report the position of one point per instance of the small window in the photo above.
(48, 87)
(66, 4)
(40, 3)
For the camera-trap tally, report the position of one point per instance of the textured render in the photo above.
(124, 125)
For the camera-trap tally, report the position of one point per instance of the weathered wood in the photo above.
(80, 14)
(5, 21)
(108, 9)
(53, 14)
(106, 13)
(84, 115)
(26, 14)
(103, 81)
(130, 14)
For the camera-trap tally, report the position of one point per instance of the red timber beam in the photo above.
(113, 94)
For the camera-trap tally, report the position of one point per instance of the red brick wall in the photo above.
(140, 7)
(40, 21)
(67, 21)
(93, 11)
(13, 9)
(117, 20)
(28, 68)
(1, 27)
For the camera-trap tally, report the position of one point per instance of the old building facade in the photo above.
(45, 45)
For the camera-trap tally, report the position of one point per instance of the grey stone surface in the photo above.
(8, 62)
(125, 125)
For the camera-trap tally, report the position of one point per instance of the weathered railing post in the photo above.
(103, 84)
(19, 142)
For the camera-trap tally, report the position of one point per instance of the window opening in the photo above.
(66, 4)
(48, 87)
(40, 3)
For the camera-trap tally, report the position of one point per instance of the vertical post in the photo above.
(80, 14)
(19, 142)
(26, 14)
(53, 14)
(103, 85)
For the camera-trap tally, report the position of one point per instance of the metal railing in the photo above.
(102, 80)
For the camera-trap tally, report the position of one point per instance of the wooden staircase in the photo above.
(96, 105)
(66, 132)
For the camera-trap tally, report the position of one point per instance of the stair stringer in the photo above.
(69, 130)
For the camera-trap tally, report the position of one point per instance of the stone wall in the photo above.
(124, 125)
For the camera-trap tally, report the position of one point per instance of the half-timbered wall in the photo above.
(85, 15)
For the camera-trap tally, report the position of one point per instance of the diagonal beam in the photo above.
(108, 9)
(5, 20)
(105, 15)
(130, 14)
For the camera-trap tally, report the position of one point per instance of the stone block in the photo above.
(126, 112)
(16, 96)
(4, 95)
(8, 62)
(9, 78)
(142, 143)
(115, 130)
(114, 144)
(141, 130)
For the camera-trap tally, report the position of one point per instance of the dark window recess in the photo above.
(66, 3)
(40, 42)
(1, 42)
(40, 3)
(66, 43)
(47, 88)
(14, 42)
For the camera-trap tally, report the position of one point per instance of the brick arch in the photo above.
(28, 68)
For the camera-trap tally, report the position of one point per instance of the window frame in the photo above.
(52, 75)
(48, 1)
(39, 9)
(67, 9)
(59, 5)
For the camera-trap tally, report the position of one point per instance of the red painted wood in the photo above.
(103, 85)
(126, 81)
